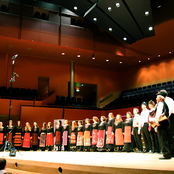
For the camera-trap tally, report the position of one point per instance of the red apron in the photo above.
(109, 137)
(26, 141)
(42, 140)
(17, 139)
(73, 138)
(119, 140)
(101, 138)
(35, 139)
(80, 139)
(49, 139)
(87, 139)
(65, 138)
(127, 134)
(94, 137)
(1, 138)
(58, 138)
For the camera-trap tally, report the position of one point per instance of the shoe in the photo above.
(164, 158)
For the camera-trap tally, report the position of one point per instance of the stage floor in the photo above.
(89, 162)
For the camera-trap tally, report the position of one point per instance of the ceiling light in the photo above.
(150, 28)
(110, 29)
(159, 55)
(124, 38)
(146, 13)
(170, 52)
(107, 60)
(109, 8)
(148, 58)
(78, 55)
(75, 8)
(120, 62)
(95, 19)
(82, 85)
(159, 6)
(93, 58)
(63, 54)
(117, 5)
(139, 60)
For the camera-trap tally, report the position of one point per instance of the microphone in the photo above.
(14, 57)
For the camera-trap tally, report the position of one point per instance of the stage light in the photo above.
(148, 58)
(93, 57)
(159, 6)
(120, 62)
(117, 5)
(81, 84)
(125, 38)
(95, 19)
(107, 60)
(110, 29)
(75, 8)
(63, 54)
(170, 52)
(78, 55)
(139, 61)
(109, 8)
(159, 55)
(146, 13)
(150, 28)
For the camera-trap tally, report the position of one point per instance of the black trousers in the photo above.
(171, 132)
(137, 138)
(164, 138)
(146, 137)
(155, 140)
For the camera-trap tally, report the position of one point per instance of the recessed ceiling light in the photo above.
(107, 60)
(93, 58)
(170, 52)
(78, 55)
(110, 29)
(148, 58)
(150, 28)
(120, 62)
(117, 4)
(63, 54)
(124, 38)
(159, 55)
(146, 13)
(159, 6)
(75, 8)
(139, 61)
(81, 84)
(95, 19)
(109, 8)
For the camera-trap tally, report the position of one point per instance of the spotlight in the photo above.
(109, 8)
(95, 19)
(93, 57)
(117, 5)
(150, 28)
(107, 60)
(125, 38)
(146, 13)
(75, 8)
(110, 29)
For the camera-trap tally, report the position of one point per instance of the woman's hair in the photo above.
(111, 115)
(151, 102)
(117, 120)
(87, 120)
(136, 110)
(28, 127)
(50, 124)
(104, 118)
(129, 113)
(44, 125)
(95, 118)
(60, 122)
(80, 121)
(74, 124)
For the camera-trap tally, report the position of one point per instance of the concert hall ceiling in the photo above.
(142, 27)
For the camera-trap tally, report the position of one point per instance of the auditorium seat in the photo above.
(3, 91)
(34, 93)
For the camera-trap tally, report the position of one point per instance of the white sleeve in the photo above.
(159, 110)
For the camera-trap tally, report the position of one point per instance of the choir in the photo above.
(152, 127)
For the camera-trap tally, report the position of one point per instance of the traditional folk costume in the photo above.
(144, 119)
(18, 137)
(26, 141)
(162, 129)
(110, 135)
(42, 142)
(101, 144)
(80, 134)
(66, 134)
(2, 139)
(153, 133)
(35, 135)
(94, 136)
(87, 137)
(136, 129)
(50, 138)
(73, 138)
(58, 137)
(119, 138)
(128, 146)
(9, 133)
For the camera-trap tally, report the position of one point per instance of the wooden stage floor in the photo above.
(87, 163)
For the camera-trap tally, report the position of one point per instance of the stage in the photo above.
(87, 163)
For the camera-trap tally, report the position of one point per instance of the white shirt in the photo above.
(3, 171)
(136, 121)
(144, 117)
(170, 103)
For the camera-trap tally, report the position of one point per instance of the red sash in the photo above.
(73, 138)
(26, 141)
(65, 138)
(109, 137)
(42, 140)
(94, 136)
(1, 138)
(49, 139)
(58, 136)
(101, 138)
(17, 139)
(80, 139)
(35, 139)
(87, 139)
(10, 137)
(119, 140)
(127, 134)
